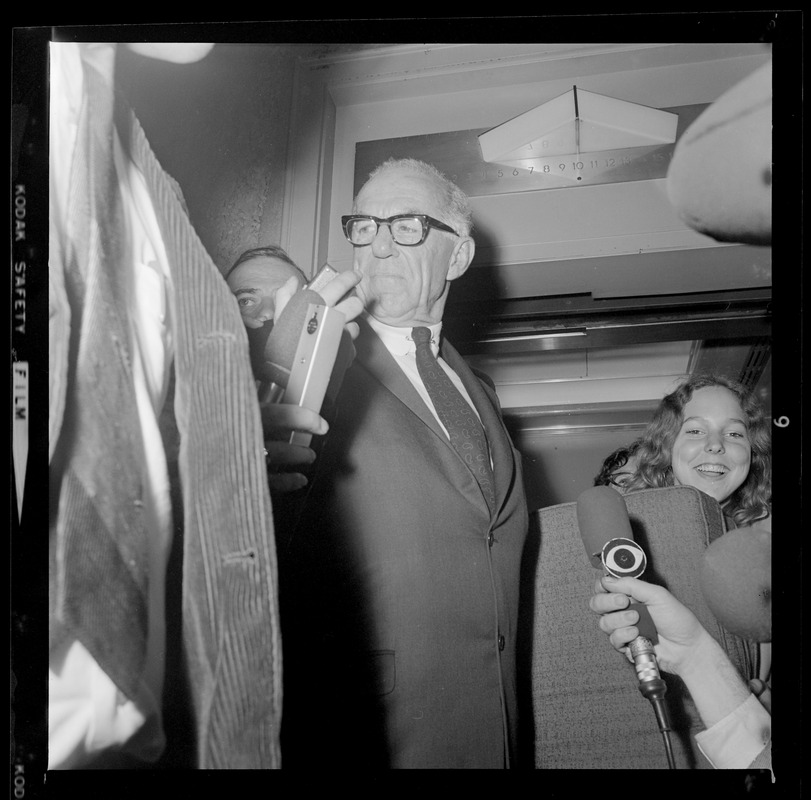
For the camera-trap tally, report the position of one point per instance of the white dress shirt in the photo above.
(734, 741)
(399, 343)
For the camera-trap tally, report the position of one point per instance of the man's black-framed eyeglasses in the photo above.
(406, 229)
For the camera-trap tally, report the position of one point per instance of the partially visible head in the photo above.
(405, 285)
(255, 278)
(618, 467)
(176, 52)
(710, 433)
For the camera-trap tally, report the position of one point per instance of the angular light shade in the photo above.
(578, 122)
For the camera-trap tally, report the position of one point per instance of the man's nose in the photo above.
(383, 245)
(265, 310)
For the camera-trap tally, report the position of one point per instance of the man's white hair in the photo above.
(456, 210)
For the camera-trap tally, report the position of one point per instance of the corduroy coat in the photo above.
(98, 574)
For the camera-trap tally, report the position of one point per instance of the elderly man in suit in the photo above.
(400, 586)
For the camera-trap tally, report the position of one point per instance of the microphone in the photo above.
(300, 354)
(282, 343)
(736, 581)
(609, 542)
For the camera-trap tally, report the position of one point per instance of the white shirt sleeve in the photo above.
(735, 741)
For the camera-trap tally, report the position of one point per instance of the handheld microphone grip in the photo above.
(651, 685)
(644, 662)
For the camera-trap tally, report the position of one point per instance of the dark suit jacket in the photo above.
(400, 590)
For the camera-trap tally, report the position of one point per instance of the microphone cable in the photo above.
(653, 688)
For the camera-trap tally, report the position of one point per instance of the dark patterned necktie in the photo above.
(456, 414)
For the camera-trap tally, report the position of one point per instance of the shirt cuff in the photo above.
(735, 741)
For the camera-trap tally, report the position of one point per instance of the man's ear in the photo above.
(462, 255)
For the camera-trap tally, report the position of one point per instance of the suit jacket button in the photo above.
(490, 539)
(501, 642)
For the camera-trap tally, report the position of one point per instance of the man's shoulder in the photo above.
(462, 363)
(483, 377)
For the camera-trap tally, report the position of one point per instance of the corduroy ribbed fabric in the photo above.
(232, 645)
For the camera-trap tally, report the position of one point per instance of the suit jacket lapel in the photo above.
(373, 355)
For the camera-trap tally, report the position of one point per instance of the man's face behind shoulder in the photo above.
(254, 283)
(406, 286)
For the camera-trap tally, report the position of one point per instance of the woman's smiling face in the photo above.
(712, 451)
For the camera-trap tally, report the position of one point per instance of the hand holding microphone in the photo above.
(736, 585)
(305, 356)
(678, 629)
(685, 648)
(333, 292)
(606, 532)
(300, 316)
(735, 576)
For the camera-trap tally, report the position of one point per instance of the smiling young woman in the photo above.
(712, 450)
(712, 434)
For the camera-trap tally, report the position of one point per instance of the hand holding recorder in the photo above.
(333, 288)
(306, 354)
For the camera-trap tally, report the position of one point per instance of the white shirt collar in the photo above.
(398, 341)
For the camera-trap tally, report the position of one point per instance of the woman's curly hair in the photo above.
(752, 499)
